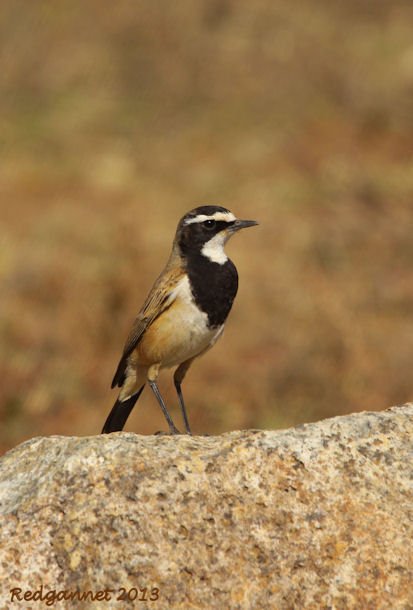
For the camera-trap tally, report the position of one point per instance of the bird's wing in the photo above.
(160, 298)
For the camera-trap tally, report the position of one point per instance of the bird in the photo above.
(184, 313)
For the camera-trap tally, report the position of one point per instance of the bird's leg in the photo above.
(152, 376)
(178, 378)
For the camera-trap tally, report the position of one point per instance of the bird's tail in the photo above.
(120, 413)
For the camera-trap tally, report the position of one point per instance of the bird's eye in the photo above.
(209, 224)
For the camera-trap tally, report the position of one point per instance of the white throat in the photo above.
(214, 249)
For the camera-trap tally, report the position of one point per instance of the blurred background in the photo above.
(117, 118)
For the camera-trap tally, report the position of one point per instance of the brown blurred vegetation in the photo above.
(116, 118)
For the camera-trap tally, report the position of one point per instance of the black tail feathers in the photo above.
(120, 413)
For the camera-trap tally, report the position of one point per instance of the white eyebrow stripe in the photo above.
(223, 216)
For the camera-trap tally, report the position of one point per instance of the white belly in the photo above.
(180, 333)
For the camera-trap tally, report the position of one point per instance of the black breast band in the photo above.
(213, 286)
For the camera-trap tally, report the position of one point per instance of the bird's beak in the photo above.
(242, 224)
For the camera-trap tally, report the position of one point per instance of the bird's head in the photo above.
(206, 229)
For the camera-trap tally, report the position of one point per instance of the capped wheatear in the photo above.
(184, 313)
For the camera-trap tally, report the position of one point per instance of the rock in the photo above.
(319, 516)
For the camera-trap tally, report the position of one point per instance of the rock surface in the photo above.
(319, 516)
